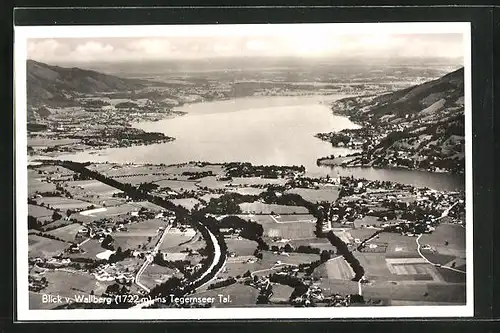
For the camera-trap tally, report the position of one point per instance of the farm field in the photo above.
(35, 185)
(305, 218)
(262, 208)
(44, 247)
(320, 243)
(338, 269)
(326, 193)
(209, 196)
(295, 230)
(368, 221)
(67, 233)
(178, 185)
(68, 283)
(56, 224)
(177, 241)
(281, 293)
(91, 249)
(212, 182)
(241, 295)
(433, 292)
(41, 213)
(63, 203)
(246, 190)
(242, 247)
(236, 181)
(187, 203)
(155, 274)
(398, 245)
(93, 186)
(342, 287)
(451, 233)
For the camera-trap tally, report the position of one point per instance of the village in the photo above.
(290, 238)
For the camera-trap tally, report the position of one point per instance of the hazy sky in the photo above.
(303, 44)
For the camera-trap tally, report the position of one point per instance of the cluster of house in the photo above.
(37, 283)
(110, 272)
(312, 295)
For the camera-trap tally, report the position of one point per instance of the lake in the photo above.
(261, 130)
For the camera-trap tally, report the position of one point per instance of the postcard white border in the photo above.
(21, 36)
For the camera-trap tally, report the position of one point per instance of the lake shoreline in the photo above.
(269, 122)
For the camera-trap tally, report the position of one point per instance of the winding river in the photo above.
(260, 130)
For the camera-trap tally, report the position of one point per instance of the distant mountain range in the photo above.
(420, 127)
(54, 85)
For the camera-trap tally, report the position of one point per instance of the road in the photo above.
(217, 258)
(149, 260)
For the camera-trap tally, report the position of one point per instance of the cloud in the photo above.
(301, 43)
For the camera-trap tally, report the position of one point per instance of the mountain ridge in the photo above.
(55, 85)
(420, 127)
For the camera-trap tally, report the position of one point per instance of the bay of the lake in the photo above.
(262, 131)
